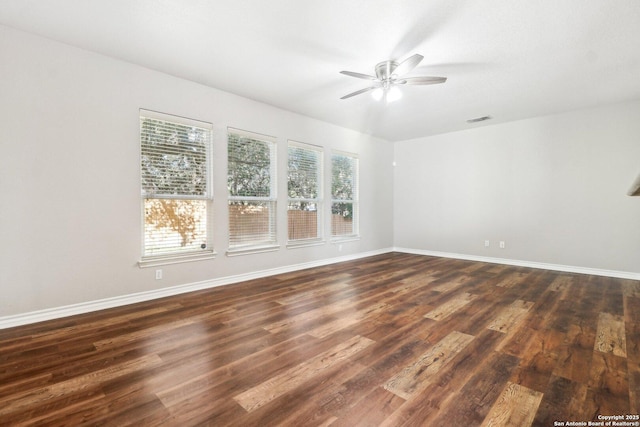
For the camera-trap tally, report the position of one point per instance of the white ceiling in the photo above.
(510, 59)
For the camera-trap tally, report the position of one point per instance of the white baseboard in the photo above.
(519, 263)
(90, 306)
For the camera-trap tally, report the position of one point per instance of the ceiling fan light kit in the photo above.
(389, 94)
(389, 75)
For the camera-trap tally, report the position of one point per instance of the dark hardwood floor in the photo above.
(390, 340)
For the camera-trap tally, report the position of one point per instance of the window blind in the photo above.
(251, 182)
(304, 188)
(344, 194)
(176, 187)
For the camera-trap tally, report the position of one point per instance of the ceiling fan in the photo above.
(389, 75)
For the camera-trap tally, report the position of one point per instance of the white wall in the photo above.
(553, 188)
(70, 215)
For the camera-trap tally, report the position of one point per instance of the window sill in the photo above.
(252, 250)
(175, 259)
(304, 243)
(343, 239)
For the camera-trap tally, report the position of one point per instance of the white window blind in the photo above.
(304, 188)
(251, 182)
(176, 184)
(344, 195)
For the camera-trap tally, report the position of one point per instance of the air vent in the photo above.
(479, 119)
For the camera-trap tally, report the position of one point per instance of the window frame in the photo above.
(318, 200)
(147, 258)
(272, 199)
(354, 201)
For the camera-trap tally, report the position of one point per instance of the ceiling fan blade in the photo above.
(358, 92)
(358, 75)
(408, 64)
(422, 80)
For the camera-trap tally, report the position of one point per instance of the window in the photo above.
(251, 181)
(176, 186)
(344, 195)
(304, 188)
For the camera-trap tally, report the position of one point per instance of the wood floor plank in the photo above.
(544, 311)
(564, 315)
(536, 285)
(509, 317)
(314, 292)
(335, 307)
(280, 384)
(470, 405)
(535, 370)
(64, 334)
(473, 318)
(563, 400)
(319, 392)
(346, 321)
(448, 285)
(416, 376)
(634, 387)
(442, 392)
(632, 327)
(403, 347)
(561, 283)
(611, 296)
(138, 408)
(631, 288)
(308, 317)
(150, 333)
(457, 342)
(61, 390)
(609, 383)
(324, 398)
(375, 407)
(610, 336)
(516, 407)
(513, 279)
(576, 351)
(237, 375)
(450, 307)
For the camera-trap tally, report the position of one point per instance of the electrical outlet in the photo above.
(486, 243)
(158, 274)
(501, 244)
